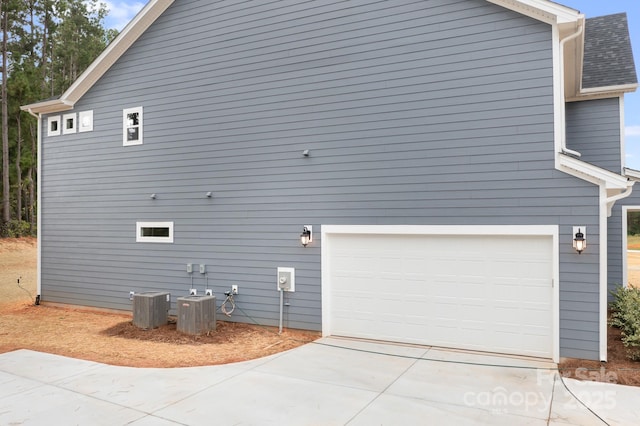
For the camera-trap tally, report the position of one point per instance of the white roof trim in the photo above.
(45, 107)
(604, 92)
(542, 10)
(107, 58)
(591, 173)
(632, 173)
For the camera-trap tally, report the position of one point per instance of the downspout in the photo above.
(612, 200)
(39, 209)
(563, 137)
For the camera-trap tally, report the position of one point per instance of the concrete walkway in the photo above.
(330, 382)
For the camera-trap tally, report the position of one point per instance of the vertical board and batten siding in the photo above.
(593, 129)
(414, 112)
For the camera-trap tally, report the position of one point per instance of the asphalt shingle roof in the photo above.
(608, 58)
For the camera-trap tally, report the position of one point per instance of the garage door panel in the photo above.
(480, 292)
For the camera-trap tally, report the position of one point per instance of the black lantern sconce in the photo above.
(579, 239)
(307, 235)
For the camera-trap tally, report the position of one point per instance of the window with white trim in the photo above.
(85, 121)
(132, 126)
(53, 126)
(68, 123)
(154, 232)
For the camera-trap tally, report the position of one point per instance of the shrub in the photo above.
(15, 229)
(626, 316)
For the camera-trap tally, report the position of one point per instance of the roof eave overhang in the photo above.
(138, 25)
(47, 107)
(632, 174)
(542, 10)
(594, 174)
(568, 21)
(604, 92)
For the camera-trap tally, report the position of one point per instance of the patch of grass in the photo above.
(633, 242)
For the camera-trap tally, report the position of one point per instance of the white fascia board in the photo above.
(46, 107)
(138, 25)
(591, 173)
(632, 173)
(542, 10)
(604, 92)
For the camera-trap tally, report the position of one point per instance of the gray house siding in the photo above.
(615, 265)
(593, 129)
(434, 113)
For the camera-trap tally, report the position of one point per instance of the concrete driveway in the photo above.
(329, 382)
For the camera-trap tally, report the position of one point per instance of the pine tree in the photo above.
(46, 45)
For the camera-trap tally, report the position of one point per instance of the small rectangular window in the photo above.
(154, 232)
(85, 121)
(69, 122)
(132, 126)
(53, 126)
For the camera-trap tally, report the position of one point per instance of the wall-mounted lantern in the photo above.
(307, 235)
(579, 238)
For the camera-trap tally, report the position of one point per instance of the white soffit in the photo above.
(592, 173)
(632, 174)
(542, 10)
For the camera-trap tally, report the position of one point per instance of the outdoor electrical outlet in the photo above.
(189, 268)
(208, 292)
(193, 292)
(234, 289)
(131, 293)
(203, 269)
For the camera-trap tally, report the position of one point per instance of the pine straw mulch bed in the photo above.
(111, 338)
(619, 369)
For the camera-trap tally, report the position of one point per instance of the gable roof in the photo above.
(107, 58)
(608, 58)
(566, 18)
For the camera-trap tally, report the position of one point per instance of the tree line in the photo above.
(45, 46)
(633, 223)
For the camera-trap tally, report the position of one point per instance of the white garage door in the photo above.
(489, 293)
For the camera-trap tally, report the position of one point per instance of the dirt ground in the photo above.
(111, 338)
(633, 259)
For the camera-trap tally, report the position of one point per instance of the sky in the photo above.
(122, 11)
(592, 8)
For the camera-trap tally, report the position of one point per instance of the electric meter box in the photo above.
(151, 309)
(196, 314)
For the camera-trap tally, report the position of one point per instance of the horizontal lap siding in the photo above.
(615, 249)
(414, 112)
(593, 129)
